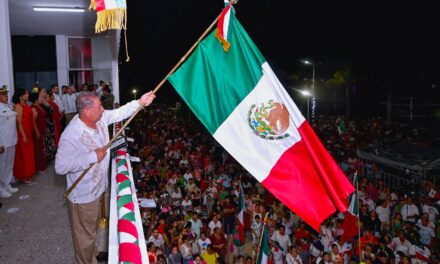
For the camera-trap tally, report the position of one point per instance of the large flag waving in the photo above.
(236, 95)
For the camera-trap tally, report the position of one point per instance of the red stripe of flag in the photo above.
(308, 181)
(221, 21)
(100, 5)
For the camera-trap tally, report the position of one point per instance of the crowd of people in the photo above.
(196, 186)
(32, 127)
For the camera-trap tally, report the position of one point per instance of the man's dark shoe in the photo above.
(102, 256)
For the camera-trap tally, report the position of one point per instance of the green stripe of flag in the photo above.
(213, 82)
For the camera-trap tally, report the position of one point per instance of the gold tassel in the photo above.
(226, 45)
(111, 19)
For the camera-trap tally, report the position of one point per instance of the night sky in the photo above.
(391, 48)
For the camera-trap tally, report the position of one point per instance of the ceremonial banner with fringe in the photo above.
(112, 14)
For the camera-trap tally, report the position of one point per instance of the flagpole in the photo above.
(261, 240)
(142, 106)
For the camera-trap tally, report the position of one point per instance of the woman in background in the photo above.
(24, 150)
(56, 117)
(40, 126)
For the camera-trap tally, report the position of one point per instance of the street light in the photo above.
(313, 88)
(134, 93)
(307, 94)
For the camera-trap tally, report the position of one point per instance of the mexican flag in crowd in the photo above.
(239, 229)
(342, 131)
(350, 223)
(236, 95)
(263, 253)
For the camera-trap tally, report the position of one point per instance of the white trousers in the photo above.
(6, 167)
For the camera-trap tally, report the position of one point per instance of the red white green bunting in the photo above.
(129, 250)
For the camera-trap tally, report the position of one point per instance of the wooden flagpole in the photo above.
(261, 239)
(142, 106)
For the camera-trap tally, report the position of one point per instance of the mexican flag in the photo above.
(263, 253)
(237, 96)
(239, 230)
(350, 223)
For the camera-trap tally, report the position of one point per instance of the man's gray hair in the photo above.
(85, 100)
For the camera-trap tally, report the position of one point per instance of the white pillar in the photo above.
(114, 39)
(6, 68)
(62, 60)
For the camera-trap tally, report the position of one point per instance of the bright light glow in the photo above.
(134, 91)
(305, 93)
(59, 9)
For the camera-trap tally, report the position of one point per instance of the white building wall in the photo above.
(6, 67)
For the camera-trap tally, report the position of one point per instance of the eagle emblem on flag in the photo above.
(269, 121)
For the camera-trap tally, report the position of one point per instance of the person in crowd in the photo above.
(107, 98)
(56, 116)
(228, 210)
(410, 212)
(293, 256)
(39, 118)
(186, 249)
(8, 140)
(24, 163)
(215, 222)
(49, 140)
(426, 230)
(210, 255)
(400, 243)
(55, 91)
(151, 251)
(157, 239)
(174, 257)
(82, 144)
(84, 88)
(69, 103)
(218, 242)
(99, 91)
(203, 243)
(282, 239)
(196, 224)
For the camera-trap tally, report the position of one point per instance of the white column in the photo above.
(6, 68)
(62, 60)
(114, 39)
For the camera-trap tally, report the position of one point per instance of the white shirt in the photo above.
(213, 225)
(69, 103)
(59, 102)
(383, 213)
(8, 129)
(158, 242)
(290, 259)
(203, 244)
(409, 210)
(283, 240)
(431, 211)
(76, 151)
